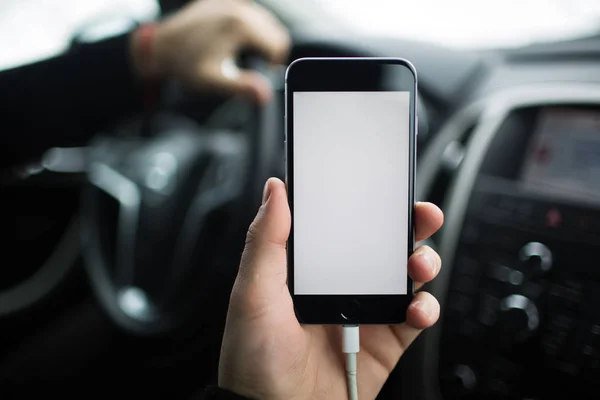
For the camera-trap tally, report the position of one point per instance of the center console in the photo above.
(520, 287)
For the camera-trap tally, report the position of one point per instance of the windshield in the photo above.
(469, 23)
(36, 29)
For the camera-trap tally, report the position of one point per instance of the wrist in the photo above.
(145, 56)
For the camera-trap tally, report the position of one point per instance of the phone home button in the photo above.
(350, 310)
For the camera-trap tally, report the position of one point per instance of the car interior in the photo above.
(508, 147)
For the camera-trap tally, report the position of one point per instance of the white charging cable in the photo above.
(351, 346)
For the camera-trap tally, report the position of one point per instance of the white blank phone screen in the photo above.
(351, 177)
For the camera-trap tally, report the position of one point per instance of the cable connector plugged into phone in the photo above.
(351, 346)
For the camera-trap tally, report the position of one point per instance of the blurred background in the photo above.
(509, 147)
(35, 29)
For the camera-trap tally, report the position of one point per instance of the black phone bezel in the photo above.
(348, 74)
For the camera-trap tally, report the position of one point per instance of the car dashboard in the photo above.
(519, 288)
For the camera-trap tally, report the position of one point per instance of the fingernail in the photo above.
(431, 261)
(266, 192)
(424, 307)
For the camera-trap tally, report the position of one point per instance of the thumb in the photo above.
(264, 259)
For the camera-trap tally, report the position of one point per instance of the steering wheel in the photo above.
(161, 260)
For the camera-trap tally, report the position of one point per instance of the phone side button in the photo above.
(285, 165)
(416, 124)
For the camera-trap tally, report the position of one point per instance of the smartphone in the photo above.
(351, 126)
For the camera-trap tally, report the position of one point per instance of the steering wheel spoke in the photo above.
(128, 196)
(151, 273)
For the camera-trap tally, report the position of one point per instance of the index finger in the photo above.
(428, 219)
(265, 34)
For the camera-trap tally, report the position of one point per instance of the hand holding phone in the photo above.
(349, 222)
(267, 353)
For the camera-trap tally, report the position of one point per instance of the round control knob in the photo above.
(458, 380)
(519, 317)
(537, 256)
(464, 379)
